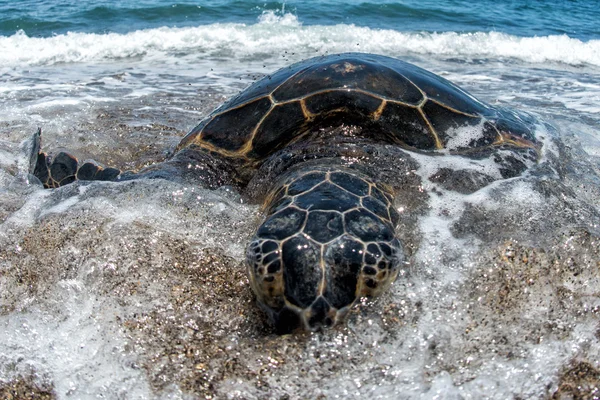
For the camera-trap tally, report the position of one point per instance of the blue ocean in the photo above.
(138, 290)
(47, 32)
(576, 19)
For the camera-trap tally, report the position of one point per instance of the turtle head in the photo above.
(327, 241)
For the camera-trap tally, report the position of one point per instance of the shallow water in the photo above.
(138, 290)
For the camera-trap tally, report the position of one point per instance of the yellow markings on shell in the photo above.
(418, 88)
(438, 143)
(454, 110)
(247, 147)
(507, 138)
(323, 281)
(377, 113)
(200, 142)
(307, 114)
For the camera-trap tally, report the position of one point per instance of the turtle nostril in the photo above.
(328, 322)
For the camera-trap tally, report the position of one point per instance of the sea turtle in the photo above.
(329, 234)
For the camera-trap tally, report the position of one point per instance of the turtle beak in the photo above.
(320, 314)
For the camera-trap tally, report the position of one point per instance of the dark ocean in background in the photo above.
(575, 18)
(38, 33)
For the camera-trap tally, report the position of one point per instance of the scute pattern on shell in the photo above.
(408, 105)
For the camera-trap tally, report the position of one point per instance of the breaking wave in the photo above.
(276, 34)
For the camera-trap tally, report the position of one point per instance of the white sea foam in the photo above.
(461, 137)
(276, 34)
(62, 348)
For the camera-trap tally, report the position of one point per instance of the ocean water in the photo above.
(576, 19)
(137, 290)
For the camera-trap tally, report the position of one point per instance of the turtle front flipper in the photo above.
(64, 168)
(328, 240)
(190, 165)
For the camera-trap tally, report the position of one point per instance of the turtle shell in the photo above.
(408, 105)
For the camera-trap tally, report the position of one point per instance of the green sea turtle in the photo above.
(329, 234)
